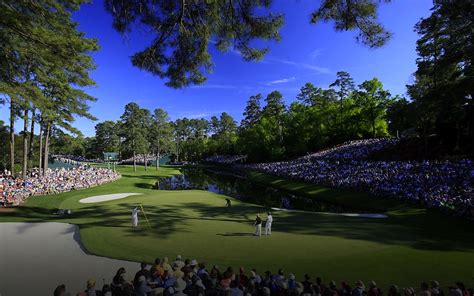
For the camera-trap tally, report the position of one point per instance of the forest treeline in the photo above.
(46, 62)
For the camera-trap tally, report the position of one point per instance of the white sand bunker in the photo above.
(355, 215)
(36, 257)
(106, 197)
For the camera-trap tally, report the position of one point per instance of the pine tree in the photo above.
(161, 134)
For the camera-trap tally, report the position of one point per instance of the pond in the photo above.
(236, 185)
(57, 164)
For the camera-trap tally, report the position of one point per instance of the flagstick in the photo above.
(144, 214)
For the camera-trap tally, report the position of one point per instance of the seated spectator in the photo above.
(142, 272)
(435, 289)
(142, 289)
(331, 290)
(409, 291)
(359, 290)
(373, 289)
(393, 291)
(177, 283)
(308, 286)
(165, 264)
(425, 289)
(91, 291)
(60, 290)
(118, 281)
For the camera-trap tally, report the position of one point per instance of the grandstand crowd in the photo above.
(190, 278)
(443, 184)
(14, 190)
(226, 159)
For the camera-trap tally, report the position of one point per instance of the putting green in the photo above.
(409, 246)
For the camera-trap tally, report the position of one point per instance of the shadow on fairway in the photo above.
(235, 234)
(419, 229)
(141, 177)
(144, 185)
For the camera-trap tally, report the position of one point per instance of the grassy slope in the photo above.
(355, 200)
(412, 245)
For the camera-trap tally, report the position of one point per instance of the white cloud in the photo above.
(198, 115)
(195, 114)
(280, 81)
(321, 70)
(216, 86)
(315, 53)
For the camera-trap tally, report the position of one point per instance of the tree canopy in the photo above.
(182, 30)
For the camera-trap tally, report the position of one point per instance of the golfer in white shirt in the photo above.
(135, 212)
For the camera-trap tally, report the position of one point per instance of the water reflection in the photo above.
(239, 187)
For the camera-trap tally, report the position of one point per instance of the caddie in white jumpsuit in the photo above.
(268, 224)
(135, 212)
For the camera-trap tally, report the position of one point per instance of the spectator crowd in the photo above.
(358, 149)
(14, 190)
(226, 159)
(448, 185)
(190, 278)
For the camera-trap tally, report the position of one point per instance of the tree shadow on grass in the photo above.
(236, 234)
(144, 185)
(162, 221)
(424, 230)
(153, 177)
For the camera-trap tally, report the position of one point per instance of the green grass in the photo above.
(410, 246)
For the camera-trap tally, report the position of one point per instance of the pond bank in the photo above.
(244, 186)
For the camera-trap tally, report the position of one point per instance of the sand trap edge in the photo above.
(106, 197)
(354, 215)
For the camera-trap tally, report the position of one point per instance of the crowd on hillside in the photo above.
(448, 185)
(357, 149)
(351, 150)
(14, 190)
(190, 278)
(225, 159)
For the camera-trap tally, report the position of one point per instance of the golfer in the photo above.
(228, 203)
(258, 225)
(135, 212)
(268, 224)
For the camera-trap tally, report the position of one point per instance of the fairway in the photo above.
(409, 246)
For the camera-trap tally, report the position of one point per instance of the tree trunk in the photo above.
(458, 137)
(12, 137)
(134, 162)
(32, 136)
(425, 137)
(46, 149)
(177, 152)
(25, 144)
(41, 150)
(342, 116)
(158, 160)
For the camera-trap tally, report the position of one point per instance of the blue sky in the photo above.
(306, 53)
